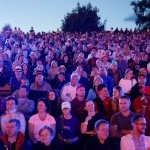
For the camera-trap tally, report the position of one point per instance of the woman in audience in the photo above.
(117, 93)
(54, 101)
(92, 94)
(39, 120)
(128, 81)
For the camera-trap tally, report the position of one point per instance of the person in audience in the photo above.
(141, 105)
(68, 92)
(87, 126)
(25, 82)
(39, 88)
(117, 93)
(25, 105)
(121, 121)
(40, 119)
(12, 112)
(60, 81)
(103, 103)
(78, 103)
(136, 90)
(47, 141)
(136, 139)
(68, 128)
(115, 73)
(15, 81)
(55, 103)
(102, 141)
(13, 139)
(127, 82)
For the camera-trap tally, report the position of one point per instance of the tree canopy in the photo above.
(142, 13)
(83, 19)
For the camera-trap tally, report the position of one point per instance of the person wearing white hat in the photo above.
(15, 81)
(68, 128)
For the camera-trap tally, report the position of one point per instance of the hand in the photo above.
(144, 101)
(88, 118)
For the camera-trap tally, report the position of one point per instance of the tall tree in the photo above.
(82, 18)
(142, 13)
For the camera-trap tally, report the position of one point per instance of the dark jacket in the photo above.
(22, 143)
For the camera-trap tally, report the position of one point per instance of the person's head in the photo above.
(13, 127)
(117, 92)
(141, 79)
(143, 71)
(24, 66)
(98, 62)
(119, 57)
(11, 103)
(105, 58)
(80, 90)
(54, 64)
(43, 105)
(18, 71)
(65, 58)
(66, 108)
(23, 91)
(139, 124)
(62, 68)
(102, 129)
(102, 90)
(128, 73)
(113, 66)
(124, 103)
(95, 71)
(97, 81)
(102, 71)
(46, 135)
(51, 95)
(74, 79)
(89, 106)
(61, 77)
(39, 77)
(79, 70)
(25, 81)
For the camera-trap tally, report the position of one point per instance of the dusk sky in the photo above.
(46, 15)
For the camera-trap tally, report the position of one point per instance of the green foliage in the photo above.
(142, 13)
(82, 19)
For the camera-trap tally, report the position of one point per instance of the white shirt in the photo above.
(68, 92)
(127, 84)
(38, 124)
(127, 142)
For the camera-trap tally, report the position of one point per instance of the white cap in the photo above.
(65, 105)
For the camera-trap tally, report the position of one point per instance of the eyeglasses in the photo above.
(141, 124)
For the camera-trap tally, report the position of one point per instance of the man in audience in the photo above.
(102, 140)
(39, 88)
(25, 105)
(68, 92)
(121, 121)
(78, 103)
(13, 139)
(15, 81)
(136, 139)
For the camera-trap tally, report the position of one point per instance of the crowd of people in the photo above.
(75, 91)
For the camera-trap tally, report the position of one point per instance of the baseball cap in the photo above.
(65, 105)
